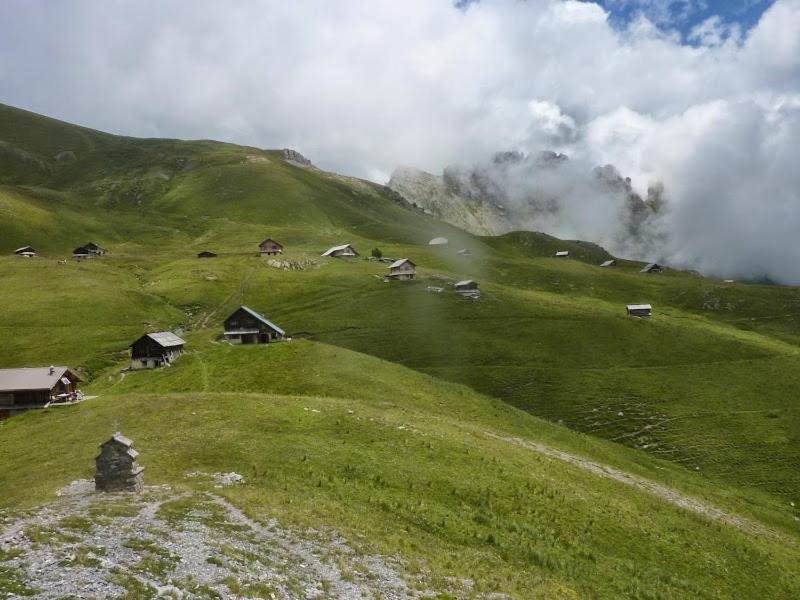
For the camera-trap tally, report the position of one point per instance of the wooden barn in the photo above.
(95, 249)
(270, 247)
(246, 326)
(639, 310)
(21, 389)
(466, 286)
(652, 268)
(562, 254)
(609, 264)
(342, 251)
(206, 254)
(154, 350)
(26, 251)
(402, 268)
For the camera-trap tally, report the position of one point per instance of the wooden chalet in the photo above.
(154, 350)
(609, 264)
(81, 253)
(246, 326)
(270, 247)
(206, 254)
(402, 268)
(652, 268)
(95, 249)
(22, 389)
(343, 251)
(25, 251)
(562, 254)
(639, 310)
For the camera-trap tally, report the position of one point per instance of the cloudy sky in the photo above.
(703, 95)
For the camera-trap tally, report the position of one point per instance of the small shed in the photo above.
(154, 350)
(439, 241)
(116, 469)
(270, 247)
(37, 387)
(639, 310)
(206, 254)
(652, 268)
(402, 268)
(26, 251)
(246, 326)
(562, 254)
(95, 249)
(467, 285)
(341, 251)
(81, 252)
(609, 264)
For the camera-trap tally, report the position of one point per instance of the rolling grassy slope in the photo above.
(709, 383)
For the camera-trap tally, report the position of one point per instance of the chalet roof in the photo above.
(92, 246)
(337, 248)
(36, 378)
(562, 253)
(271, 240)
(400, 262)
(465, 282)
(650, 267)
(81, 250)
(608, 263)
(262, 318)
(438, 241)
(24, 249)
(639, 307)
(165, 339)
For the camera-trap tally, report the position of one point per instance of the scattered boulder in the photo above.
(293, 156)
(228, 479)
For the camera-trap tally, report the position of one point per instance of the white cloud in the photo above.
(364, 87)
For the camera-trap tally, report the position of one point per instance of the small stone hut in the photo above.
(116, 467)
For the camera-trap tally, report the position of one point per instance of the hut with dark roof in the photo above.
(652, 268)
(206, 254)
(95, 249)
(154, 350)
(269, 247)
(246, 326)
(25, 251)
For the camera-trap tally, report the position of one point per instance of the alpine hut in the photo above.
(246, 326)
(206, 254)
(26, 251)
(466, 286)
(402, 268)
(269, 247)
(609, 264)
(562, 254)
(81, 253)
(345, 250)
(652, 268)
(640, 310)
(154, 350)
(21, 389)
(95, 249)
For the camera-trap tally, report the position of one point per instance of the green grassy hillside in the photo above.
(702, 396)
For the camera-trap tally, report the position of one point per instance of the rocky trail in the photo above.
(163, 544)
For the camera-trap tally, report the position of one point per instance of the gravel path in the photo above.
(166, 545)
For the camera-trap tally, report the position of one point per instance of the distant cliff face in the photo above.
(541, 192)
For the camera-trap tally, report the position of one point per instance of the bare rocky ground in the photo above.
(163, 544)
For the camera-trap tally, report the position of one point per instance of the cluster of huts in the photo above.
(87, 250)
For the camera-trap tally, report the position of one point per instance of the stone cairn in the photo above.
(116, 468)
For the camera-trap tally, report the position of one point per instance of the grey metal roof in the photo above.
(400, 262)
(608, 263)
(263, 319)
(24, 249)
(438, 241)
(166, 339)
(639, 307)
(464, 282)
(336, 248)
(35, 378)
(562, 253)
